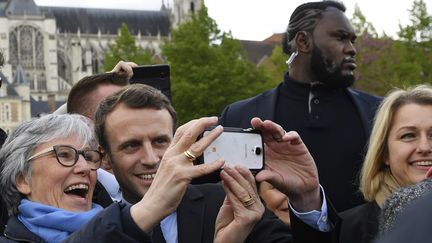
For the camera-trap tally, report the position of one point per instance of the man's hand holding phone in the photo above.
(290, 167)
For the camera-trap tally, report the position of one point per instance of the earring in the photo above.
(291, 58)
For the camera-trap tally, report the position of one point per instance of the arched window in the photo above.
(192, 7)
(7, 113)
(95, 61)
(64, 67)
(26, 45)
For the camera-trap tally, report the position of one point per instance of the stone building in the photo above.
(47, 49)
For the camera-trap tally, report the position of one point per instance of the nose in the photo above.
(149, 156)
(350, 49)
(82, 166)
(425, 145)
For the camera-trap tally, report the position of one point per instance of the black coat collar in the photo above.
(15, 230)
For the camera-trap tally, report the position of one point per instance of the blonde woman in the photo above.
(399, 155)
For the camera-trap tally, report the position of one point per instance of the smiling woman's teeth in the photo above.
(77, 186)
(423, 163)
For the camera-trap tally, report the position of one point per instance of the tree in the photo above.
(361, 26)
(275, 66)
(384, 63)
(420, 29)
(209, 69)
(124, 48)
(417, 38)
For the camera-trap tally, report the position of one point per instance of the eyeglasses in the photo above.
(68, 156)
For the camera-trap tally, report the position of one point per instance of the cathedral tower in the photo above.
(182, 9)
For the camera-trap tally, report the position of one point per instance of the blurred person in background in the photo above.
(275, 200)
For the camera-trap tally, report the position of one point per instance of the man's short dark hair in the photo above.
(134, 96)
(305, 18)
(79, 94)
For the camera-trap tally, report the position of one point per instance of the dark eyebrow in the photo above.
(347, 33)
(163, 136)
(129, 141)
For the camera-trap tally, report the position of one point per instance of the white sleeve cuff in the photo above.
(316, 219)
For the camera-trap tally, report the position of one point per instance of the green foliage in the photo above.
(124, 48)
(384, 63)
(361, 26)
(209, 69)
(420, 29)
(275, 67)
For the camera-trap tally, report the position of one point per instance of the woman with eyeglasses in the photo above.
(48, 175)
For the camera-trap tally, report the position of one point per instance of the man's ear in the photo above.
(106, 160)
(23, 185)
(304, 42)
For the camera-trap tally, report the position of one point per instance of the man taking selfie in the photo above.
(135, 126)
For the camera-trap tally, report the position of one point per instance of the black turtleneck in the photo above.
(331, 127)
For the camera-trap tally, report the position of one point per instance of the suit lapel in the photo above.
(372, 224)
(266, 104)
(190, 217)
(364, 110)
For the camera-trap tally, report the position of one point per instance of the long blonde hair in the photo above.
(376, 180)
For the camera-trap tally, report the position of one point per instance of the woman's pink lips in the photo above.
(429, 173)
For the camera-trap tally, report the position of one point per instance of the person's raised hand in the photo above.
(242, 207)
(124, 67)
(176, 171)
(289, 166)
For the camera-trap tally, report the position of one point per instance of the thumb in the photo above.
(205, 169)
(266, 175)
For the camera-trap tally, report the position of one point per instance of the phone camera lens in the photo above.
(257, 150)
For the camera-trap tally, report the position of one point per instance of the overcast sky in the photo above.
(259, 19)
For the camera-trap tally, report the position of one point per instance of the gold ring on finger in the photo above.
(248, 201)
(189, 155)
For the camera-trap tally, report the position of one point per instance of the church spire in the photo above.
(163, 7)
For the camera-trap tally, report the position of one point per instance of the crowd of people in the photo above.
(340, 165)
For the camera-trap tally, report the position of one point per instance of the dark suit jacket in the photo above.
(3, 216)
(356, 225)
(3, 211)
(198, 210)
(360, 224)
(263, 106)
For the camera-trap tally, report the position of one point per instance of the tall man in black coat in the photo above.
(135, 127)
(315, 100)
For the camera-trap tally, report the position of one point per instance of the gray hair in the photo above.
(398, 202)
(21, 143)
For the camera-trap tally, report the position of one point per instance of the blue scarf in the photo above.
(50, 223)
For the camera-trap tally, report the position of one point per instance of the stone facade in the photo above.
(56, 46)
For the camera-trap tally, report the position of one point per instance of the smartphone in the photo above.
(238, 147)
(157, 76)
